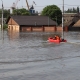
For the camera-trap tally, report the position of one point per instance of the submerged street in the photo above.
(29, 56)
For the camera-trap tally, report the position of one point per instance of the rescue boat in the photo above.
(50, 39)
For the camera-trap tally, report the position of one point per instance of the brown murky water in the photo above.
(29, 56)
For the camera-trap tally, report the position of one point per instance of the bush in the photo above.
(5, 26)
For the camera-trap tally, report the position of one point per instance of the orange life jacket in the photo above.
(57, 37)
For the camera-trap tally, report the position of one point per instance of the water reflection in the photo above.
(13, 34)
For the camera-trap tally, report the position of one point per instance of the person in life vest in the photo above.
(57, 37)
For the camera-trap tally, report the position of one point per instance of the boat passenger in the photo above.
(57, 37)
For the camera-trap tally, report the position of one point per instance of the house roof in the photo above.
(32, 20)
(70, 18)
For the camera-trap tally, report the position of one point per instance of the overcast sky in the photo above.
(40, 4)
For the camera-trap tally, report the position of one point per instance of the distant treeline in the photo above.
(72, 10)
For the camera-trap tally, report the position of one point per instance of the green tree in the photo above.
(77, 9)
(22, 11)
(72, 10)
(53, 12)
(6, 13)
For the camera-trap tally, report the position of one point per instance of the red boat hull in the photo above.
(55, 41)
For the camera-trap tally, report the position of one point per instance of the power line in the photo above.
(58, 5)
(65, 6)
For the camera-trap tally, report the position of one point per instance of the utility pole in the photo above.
(2, 14)
(56, 21)
(63, 20)
(48, 21)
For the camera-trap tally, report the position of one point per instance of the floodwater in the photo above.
(29, 56)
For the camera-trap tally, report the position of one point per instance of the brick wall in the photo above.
(58, 28)
(26, 29)
(50, 29)
(37, 29)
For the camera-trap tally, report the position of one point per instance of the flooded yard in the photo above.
(29, 56)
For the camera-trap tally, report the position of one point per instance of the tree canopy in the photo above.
(22, 11)
(53, 12)
(6, 13)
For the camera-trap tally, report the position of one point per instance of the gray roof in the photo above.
(32, 20)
